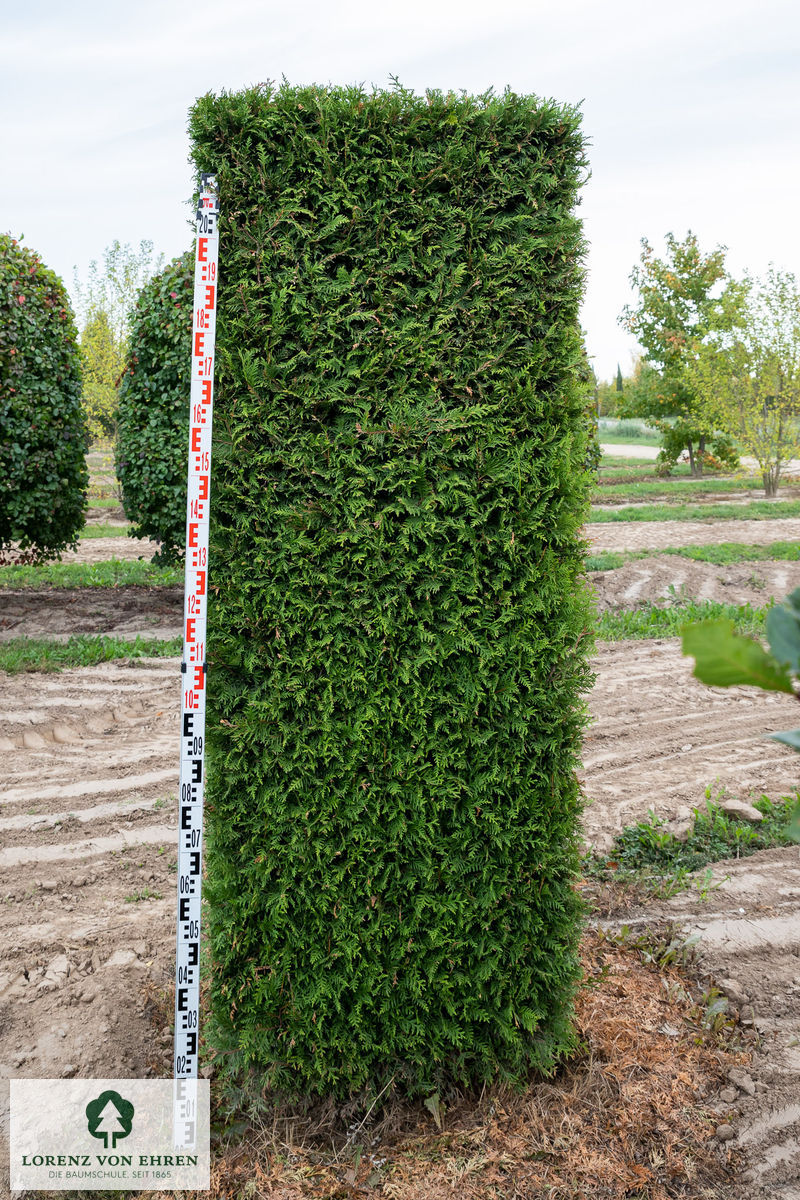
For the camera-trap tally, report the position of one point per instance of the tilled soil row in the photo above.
(658, 739)
(61, 613)
(744, 924)
(87, 818)
(669, 578)
(658, 535)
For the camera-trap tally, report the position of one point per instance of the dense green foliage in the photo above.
(153, 419)
(43, 475)
(398, 631)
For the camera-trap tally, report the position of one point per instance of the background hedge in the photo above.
(153, 420)
(398, 632)
(43, 438)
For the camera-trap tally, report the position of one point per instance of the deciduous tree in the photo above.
(104, 304)
(682, 299)
(747, 377)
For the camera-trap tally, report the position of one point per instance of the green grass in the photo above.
(104, 531)
(719, 554)
(622, 465)
(100, 501)
(733, 552)
(653, 621)
(611, 560)
(608, 438)
(649, 855)
(43, 654)
(669, 488)
(145, 894)
(755, 510)
(115, 572)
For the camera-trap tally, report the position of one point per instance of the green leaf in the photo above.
(789, 737)
(436, 1109)
(794, 829)
(783, 632)
(726, 659)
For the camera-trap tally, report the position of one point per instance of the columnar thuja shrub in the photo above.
(153, 415)
(43, 440)
(398, 635)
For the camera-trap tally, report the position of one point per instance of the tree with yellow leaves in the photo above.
(104, 303)
(681, 299)
(746, 376)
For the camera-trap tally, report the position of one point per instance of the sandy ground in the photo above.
(87, 815)
(625, 450)
(658, 738)
(746, 922)
(93, 550)
(656, 535)
(61, 612)
(668, 577)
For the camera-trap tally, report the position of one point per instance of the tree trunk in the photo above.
(693, 465)
(701, 451)
(771, 477)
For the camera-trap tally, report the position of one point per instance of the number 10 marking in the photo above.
(193, 667)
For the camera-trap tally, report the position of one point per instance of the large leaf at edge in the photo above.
(790, 737)
(724, 658)
(783, 633)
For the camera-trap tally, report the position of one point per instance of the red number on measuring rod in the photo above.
(193, 666)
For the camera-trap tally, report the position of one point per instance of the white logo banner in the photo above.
(109, 1134)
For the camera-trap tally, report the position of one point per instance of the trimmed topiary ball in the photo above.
(154, 410)
(43, 437)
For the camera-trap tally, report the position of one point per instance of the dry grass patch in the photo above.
(627, 1117)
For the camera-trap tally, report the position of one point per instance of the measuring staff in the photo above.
(193, 663)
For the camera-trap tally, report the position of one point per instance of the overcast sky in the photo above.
(692, 111)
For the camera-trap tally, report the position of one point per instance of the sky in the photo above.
(691, 111)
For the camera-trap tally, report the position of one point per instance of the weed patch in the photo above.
(103, 531)
(648, 856)
(654, 621)
(756, 510)
(41, 654)
(113, 573)
(671, 489)
(720, 554)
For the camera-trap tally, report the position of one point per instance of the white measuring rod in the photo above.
(193, 664)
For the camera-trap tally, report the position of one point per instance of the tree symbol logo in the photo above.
(109, 1116)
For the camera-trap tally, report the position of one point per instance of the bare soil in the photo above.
(658, 738)
(669, 577)
(655, 535)
(746, 921)
(62, 612)
(87, 816)
(93, 550)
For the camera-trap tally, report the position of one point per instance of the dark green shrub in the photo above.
(43, 441)
(397, 631)
(153, 420)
